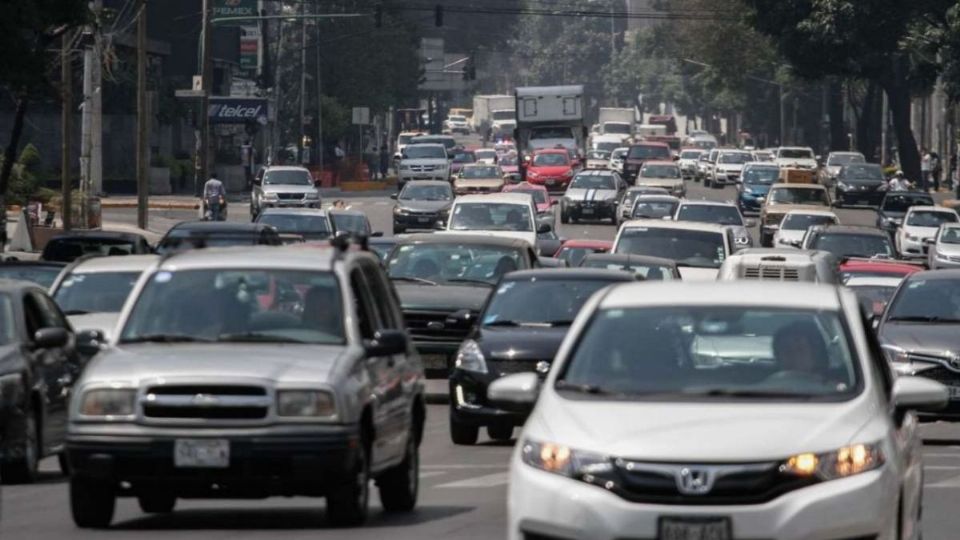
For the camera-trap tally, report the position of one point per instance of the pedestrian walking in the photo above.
(953, 175)
(384, 161)
(214, 198)
(936, 168)
(924, 169)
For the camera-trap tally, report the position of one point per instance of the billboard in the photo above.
(229, 110)
(235, 8)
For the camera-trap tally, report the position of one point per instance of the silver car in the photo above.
(283, 187)
(251, 372)
(944, 248)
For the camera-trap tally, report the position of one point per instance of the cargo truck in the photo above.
(615, 121)
(550, 117)
(493, 114)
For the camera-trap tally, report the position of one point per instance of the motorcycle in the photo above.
(206, 209)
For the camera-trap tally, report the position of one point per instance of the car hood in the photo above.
(803, 162)
(549, 171)
(424, 161)
(104, 322)
(688, 273)
(524, 343)
(577, 194)
(139, 363)
(781, 208)
(478, 182)
(949, 249)
(415, 296)
(658, 182)
(528, 236)
(708, 432)
(424, 206)
(919, 337)
(288, 188)
(730, 167)
(923, 232)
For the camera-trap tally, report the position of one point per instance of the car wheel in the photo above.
(766, 240)
(500, 433)
(398, 229)
(706, 182)
(64, 463)
(462, 434)
(157, 503)
(23, 470)
(347, 507)
(564, 218)
(92, 503)
(399, 485)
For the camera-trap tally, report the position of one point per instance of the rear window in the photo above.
(649, 152)
(901, 203)
(710, 213)
(71, 249)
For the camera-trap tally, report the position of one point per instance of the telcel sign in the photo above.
(237, 110)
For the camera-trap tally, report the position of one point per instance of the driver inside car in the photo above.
(800, 352)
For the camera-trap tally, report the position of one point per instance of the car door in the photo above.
(54, 373)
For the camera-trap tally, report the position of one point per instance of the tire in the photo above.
(157, 503)
(348, 506)
(400, 485)
(564, 218)
(707, 182)
(92, 503)
(24, 470)
(462, 434)
(64, 463)
(500, 433)
(398, 230)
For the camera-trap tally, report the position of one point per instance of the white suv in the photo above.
(423, 162)
(722, 410)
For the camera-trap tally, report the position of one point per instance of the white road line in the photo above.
(490, 480)
(940, 467)
(950, 483)
(453, 467)
(431, 474)
(941, 456)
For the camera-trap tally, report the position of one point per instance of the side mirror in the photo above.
(929, 241)
(518, 391)
(461, 318)
(749, 222)
(544, 228)
(394, 196)
(386, 343)
(90, 342)
(439, 226)
(918, 394)
(51, 338)
(378, 234)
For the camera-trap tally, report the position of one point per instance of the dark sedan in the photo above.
(519, 330)
(859, 183)
(647, 268)
(203, 234)
(69, 247)
(920, 330)
(422, 205)
(894, 206)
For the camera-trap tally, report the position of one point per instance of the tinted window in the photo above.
(863, 172)
(310, 227)
(8, 324)
(873, 298)
(415, 151)
(649, 272)
(480, 172)
(417, 191)
(796, 153)
(353, 223)
(622, 129)
(925, 218)
(660, 171)
(843, 159)
(539, 302)
(710, 213)
(464, 157)
(853, 245)
(575, 255)
(901, 203)
(799, 196)
(101, 292)
(550, 160)
(594, 181)
(761, 175)
(71, 249)
(735, 158)
(491, 217)
(41, 275)
(293, 178)
(802, 222)
(649, 152)
(189, 239)
(701, 249)
(690, 154)
(653, 209)
(453, 263)
(926, 300)
(950, 235)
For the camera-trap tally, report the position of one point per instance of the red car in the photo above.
(875, 268)
(541, 197)
(509, 164)
(552, 168)
(574, 251)
(641, 153)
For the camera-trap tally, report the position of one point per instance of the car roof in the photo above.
(798, 186)
(659, 162)
(494, 198)
(874, 281)
(113, 235)
(723, 293)
(662, 224)
(795, 148)
(415, 143)
(457, 238)
(126, 263)
(844, 154)
(551, 151)
(656, 197)
(586, 242)
(285, 168)
(569, 274)
(853, 264)
(630, 258)
(596, 172)
(953, 273)
(651, 143)
(788, 255)
(254, 257)
(687, 202)
(293, 211)
(220, 227)
(927, 208)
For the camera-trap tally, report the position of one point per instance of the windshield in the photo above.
(405, 139)
(800, 196)
(539, 197)
(353, 223)
(310, 227)
(654, 209)
(41, 275)
(287, 178)
(237, 305)
(423, 151)
(551, 160)
(575, 255)
(416, 191)
(485, 154)
(853, 245)
(690, 154)
(795, 153)
(480, 172)
(430, 264)
(737, 158)
(924, 218)
(504, 115)
(863, 172)
(606, 146)
(448, 143)
(761, 175)
(539, 302)
(649, 152)
(649, 272)
(507, 161)
(710, 213)
(616, 128)
(453, 118)
(902, 203)
(464, 157)
(70, 249)
(701, 249)
(491, 217)
(802, 222)
(99, 292)
(843, 159)
(926, 300)
(186, 238)
(724, 353)
(593, 181)
(660, 171)
(950, 235)
(619, 153)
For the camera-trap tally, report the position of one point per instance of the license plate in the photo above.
(423, 220)
(551, 182)
(434, 361)
(694, 529)
(588, 210)
(202, 453)
(954, 392)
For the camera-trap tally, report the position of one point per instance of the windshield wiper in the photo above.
(924, 318)
(75, 312)
(413, 280)
(256, 337)
(166, 338)
(468, 280)
(725, 392)
(560, 322)
(505, 322)
(582, 388)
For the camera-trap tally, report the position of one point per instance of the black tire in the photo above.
(24, 470)
(500, 433)
(92, 503)
(349, 505)
(398, 230)
(157, 503)
(706, 182)
(400, 485)
(462, 434)
(64, 463)
(564, 218)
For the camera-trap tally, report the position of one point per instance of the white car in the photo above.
(717, 411)
(423, 162)
(798, 157)
(617, 157)
(698, 248)
(919, 225)
(836, 161)
(721, 214)
(486, 156)
(509, 215)
(795, 224)
(456, 124)
(944, 250)
(728, 167)
(689, 157)
(403, 139)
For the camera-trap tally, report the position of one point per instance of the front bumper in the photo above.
(409, 176)
(726, 178)
(750, 202)
(466, 189)
(469, 405)
(553, 184)
(951, 261)
(596, 210)
(417, 220)
(912, 249)
(863, 506)
(262, 462)
(291, 203)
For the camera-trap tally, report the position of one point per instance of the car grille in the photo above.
(943, 375)
(423, 168)
(206, 402)
(776, 273)
(953, 258)
(509, 367)
(289, 196)
(432, 326)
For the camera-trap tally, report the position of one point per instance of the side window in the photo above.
(381, 296)
(363, 305)
(31, 315)
(877, 358)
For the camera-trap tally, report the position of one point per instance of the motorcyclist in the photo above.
(214, 198)
(898, 182)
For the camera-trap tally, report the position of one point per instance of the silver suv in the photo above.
(249, 373)
(283, 187)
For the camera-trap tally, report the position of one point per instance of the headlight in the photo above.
(843, 186)
(742, 240)
(305, 404)
(312, 196)
(911, 237)
(942, 255)
(568, 174)
(899, 359)
(399, 211)
(270, 196)
(109, 402)
(563, 460)
(470, 357)
(847, 461)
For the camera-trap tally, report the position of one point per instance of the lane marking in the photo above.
(490, 480)
(464, 467)
(431, 474)
(940, 467)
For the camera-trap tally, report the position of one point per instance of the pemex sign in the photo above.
(235, 8)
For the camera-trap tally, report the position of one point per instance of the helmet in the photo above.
(899, 174)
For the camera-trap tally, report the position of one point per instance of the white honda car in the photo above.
(718, 411)
(919, 225)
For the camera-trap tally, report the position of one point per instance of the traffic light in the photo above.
(378, 16)
(438, 15)
(470, 68)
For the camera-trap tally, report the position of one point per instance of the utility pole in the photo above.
(303, 80)
(783, 117)
(884, 122)
(319, 104)
(143, 183)
(277, 94)
(86, 124)
(66, 128)
(96, 108)
(206, 76)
